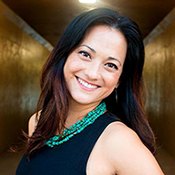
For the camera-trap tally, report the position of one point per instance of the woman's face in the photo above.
(93, 69)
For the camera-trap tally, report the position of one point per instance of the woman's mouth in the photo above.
(88, 86)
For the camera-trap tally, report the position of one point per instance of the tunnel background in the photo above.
(159, 75)
(21, 59)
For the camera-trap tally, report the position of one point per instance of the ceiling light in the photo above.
(87, 1)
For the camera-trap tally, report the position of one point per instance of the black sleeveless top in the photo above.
(68, 158)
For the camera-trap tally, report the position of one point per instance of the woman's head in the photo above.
(92, 70)
(75, 33)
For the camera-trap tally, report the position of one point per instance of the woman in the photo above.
(91, 117)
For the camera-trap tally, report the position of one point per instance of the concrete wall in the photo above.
(21, 58)
(159, 74)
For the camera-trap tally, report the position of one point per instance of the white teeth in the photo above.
(86, 84)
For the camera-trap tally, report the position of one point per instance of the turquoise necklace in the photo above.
(77, 127)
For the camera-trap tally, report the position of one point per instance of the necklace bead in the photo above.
(78, 126)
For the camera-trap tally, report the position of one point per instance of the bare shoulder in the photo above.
(33, 123)
(127, 153)
(119, 133)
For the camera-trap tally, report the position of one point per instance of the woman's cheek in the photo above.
(111, 79)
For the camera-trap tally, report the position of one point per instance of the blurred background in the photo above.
(28, 31)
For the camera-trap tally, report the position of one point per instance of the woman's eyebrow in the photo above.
(89, 47)
(112, 58)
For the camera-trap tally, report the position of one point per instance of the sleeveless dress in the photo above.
(68, 158)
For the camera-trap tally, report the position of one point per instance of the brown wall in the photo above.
(159, 74)
(21, 58)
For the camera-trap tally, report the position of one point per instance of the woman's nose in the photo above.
(93, 71)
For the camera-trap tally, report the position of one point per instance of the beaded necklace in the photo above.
(78, 126)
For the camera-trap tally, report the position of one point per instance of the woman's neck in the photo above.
(78, 111)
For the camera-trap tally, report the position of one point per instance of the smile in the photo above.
(86, 85)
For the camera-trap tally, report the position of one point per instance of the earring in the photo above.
(116, 87)
(116, 94)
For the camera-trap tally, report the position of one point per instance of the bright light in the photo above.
(87, 1)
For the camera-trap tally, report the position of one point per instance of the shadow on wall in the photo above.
(21, 59)
(159, 75)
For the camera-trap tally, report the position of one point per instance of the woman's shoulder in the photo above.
(33, 120)
(117, 129)
(118, 132)
(126, 151)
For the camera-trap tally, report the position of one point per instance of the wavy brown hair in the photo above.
(129, 104)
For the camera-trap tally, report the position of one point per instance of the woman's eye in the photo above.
(85, 54)
(111, 65)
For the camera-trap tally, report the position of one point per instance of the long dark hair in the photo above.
(129, 104)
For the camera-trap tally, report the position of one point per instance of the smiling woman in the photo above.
(80, 127)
